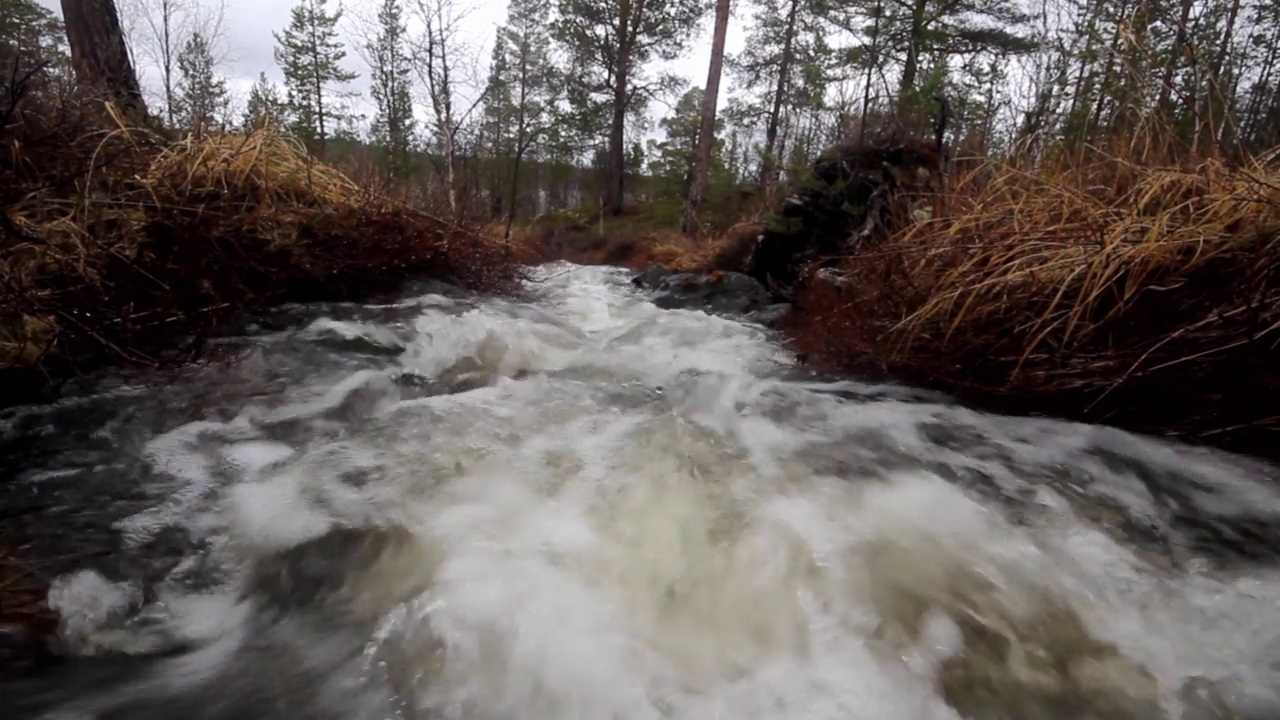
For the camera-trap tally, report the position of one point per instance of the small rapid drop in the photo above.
(584, 506)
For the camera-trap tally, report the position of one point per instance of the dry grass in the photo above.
(639, 249)
(1110, 289)
(649, 233)
(121, 240)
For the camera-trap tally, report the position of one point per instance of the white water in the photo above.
(629, 513)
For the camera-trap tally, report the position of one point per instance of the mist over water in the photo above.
(584, 507)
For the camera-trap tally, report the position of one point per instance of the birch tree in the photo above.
(439, 59)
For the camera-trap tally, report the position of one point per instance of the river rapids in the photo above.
(582, 506)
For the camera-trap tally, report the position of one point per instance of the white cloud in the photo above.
(249, 43)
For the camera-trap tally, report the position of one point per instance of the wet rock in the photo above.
(726, 293)
(771, 315)
(651, 277)
(849, 199)
(350, 573)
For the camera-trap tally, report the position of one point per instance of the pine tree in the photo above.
(310, 54)
(393, 123)
(781, 67)
(525, 87)
(495, 125)
(201, 97)
(610, 43)
(33, 47)
(672, 160)
(31, 31)
(265, 106)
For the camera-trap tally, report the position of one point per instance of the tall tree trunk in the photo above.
(167, 53)
(707, 128)
(871, 67)
(769, 166)
(515, 188)
(616, 164)
(1218, 106)
(450, 143)
(1110, 86)
(100, 55)
(911, 68)
(1164, 105)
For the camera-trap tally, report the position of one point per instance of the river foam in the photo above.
(588, 507)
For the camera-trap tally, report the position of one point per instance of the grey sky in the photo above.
(249, 42)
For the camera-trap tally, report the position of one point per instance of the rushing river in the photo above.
(582, 506)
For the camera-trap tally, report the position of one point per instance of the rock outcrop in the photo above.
(853, 195)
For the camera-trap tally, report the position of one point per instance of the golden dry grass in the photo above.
(641, 249)
(1105, 281)
(156, 237)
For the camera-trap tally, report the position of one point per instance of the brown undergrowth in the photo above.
(1108, 289)
(646, 234)
(118, 241)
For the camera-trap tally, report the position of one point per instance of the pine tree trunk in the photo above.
(100, 56)
(617, 160)
(707, 128)
(907, 84)
(769, 166)
(1164, 105)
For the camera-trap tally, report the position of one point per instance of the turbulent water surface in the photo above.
(583, 506)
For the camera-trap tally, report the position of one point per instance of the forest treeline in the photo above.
(559, 113)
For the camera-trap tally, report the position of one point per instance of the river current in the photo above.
(583, 506)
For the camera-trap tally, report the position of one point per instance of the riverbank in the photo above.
(122, 246)
(1144, 295)
(1117, 289)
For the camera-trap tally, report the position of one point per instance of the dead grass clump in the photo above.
(146, 239)
(639, 248)
(1108, 290)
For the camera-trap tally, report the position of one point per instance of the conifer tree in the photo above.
(524, 87)
(611, 43)
(265, 107)
(310, 54)
(201, 98)
(393, 127)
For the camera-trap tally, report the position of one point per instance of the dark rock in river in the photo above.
(721, 293)
(728, 293)
(651, 277)
(771, 315)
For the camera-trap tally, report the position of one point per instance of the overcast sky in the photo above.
(249, 42)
